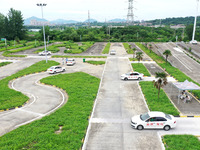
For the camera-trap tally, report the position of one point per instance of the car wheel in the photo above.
(125, 79)
(63, 70)
(140, 127)
(54, 72)
(167, 128)
(139, 79)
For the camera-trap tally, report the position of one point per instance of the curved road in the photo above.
(44, 100)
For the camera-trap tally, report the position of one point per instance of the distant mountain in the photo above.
(91, 20)
(28, 20)
(62, 21)
(117, 20)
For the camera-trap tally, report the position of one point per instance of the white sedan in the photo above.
(132, 76)
(55, 69)
(112, 52)
(43, 53)
(70, 62)
(153, 120)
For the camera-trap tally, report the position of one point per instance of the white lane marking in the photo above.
(189, 68)
(38, 114)
(94, 106)
(110, 120)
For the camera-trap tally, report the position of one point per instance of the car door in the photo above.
(160, 122)
(131, 76)
(136, 75)
(150, 123)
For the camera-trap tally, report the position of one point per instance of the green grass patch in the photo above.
(10, 98)
(162, 104)
(67, 56)
(95, 62)
(53, 48)
(74, 48)
(106, 49)
(4, 63)
(175, 72)
(73, 117)
(139, 67)
(181, 142)
(127, 48)
(133, 59)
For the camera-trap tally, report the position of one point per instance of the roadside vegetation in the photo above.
(181, 142)
(154, 103)
(72, 118)
(106, 49)
(128, 48)
(10, 98)
(4, 63)
(75, 48)
(175, 72)
(139, 67)
(95, 62)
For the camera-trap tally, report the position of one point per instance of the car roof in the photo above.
(70, 59)
(156, 114)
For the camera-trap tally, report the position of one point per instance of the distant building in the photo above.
(39, 23)
(178, 26)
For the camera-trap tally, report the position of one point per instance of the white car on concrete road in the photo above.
(70, 62)
(43, 53)
(153, 120)
(112, 52)
(132, 76)
(55, 69)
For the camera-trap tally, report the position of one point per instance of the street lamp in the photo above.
(41, 5)
(195, 21)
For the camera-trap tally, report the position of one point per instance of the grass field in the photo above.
(181, 142)
(162, 104)
(139, 67)
(106, 49)
(10, 98)
(72, 117)
(127, 48)
(95, 62)
(74, 48)
(4, 63)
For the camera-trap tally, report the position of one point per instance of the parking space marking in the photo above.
(108, 120)
(189, 68)
(38, 114)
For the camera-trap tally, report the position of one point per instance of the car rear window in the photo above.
(168, 116)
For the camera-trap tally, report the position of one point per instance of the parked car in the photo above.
(193, 42)
(112, 52)
(153, 120)
(55, 69)
(43, 53)
(70, 62)
(132, 76)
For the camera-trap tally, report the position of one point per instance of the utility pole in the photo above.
(88, 19)
(130, 15)
(195, 22)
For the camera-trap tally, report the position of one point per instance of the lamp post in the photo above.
(41, 5)
(195, 21)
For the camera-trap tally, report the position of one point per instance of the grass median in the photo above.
(181, 142)
(72, 117)
(71, 56)
(106, 49)
(95, 62)
(162, 104)
(4, 63)
(127, 48)
(10, 98)
(139, 67)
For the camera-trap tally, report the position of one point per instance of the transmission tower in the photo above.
(130, 15)
(88, 18)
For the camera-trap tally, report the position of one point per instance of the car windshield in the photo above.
(51, 68)
(144, 116)
(168, 116)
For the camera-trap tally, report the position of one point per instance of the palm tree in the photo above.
(139, 56)
(150, 47)
(167, 53)
(162, 81)
(134, 49)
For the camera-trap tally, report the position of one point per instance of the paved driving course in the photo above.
(116, 103)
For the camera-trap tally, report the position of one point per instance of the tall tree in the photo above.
(161, 82)
(15, 25)
(2, 25)
(167, 53)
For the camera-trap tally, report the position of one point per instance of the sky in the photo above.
(101, 10)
